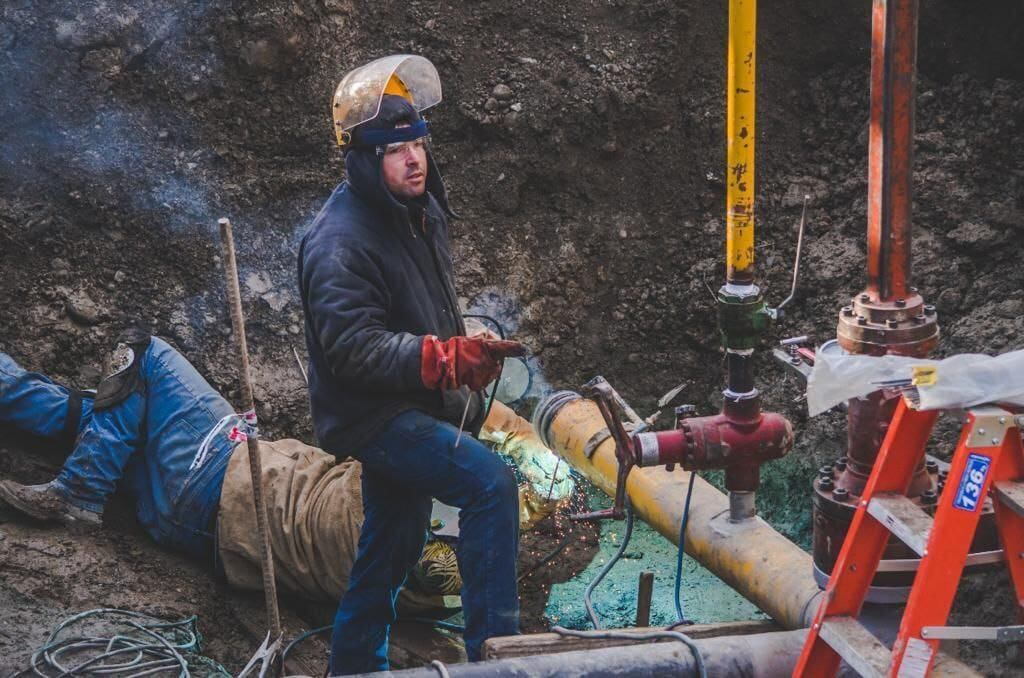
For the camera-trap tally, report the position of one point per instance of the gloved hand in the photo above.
(464, 361)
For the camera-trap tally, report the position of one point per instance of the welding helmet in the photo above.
(358, 96)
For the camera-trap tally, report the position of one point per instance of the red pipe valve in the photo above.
(738, 442)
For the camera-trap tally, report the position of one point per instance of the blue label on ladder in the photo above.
(968, 495)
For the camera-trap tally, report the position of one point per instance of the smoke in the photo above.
(80, 115)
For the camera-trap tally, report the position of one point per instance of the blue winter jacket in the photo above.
(375, 276)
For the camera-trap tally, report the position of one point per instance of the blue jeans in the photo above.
(413, 460)
(148, 442)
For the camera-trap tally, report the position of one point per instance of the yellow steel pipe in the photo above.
(740, 110)
(750, 556)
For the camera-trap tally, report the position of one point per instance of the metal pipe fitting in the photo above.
(737, 444)
(742, 505)
(750, 556)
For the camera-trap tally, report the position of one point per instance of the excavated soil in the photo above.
(583, 147)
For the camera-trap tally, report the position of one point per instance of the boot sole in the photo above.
(10, 495)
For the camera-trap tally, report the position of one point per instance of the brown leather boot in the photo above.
(44, 502)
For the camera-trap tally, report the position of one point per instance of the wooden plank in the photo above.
(308, 658)
(550, 643)
(1011, 494)
(414, 644)
(903, 518)
(947, 667)
(856, 645)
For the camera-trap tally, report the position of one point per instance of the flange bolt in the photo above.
(929, 309)
(931, 466)
(825, 471)
(840, 494)
(861, 320)
(848, 311)
(840, 464)
(892, 323)
(825, 484)
(900, 303)
(928, 497)
(865, 298)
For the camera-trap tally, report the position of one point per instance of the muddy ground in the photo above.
(583, 146)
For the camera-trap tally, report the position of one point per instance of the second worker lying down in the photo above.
(158, 429)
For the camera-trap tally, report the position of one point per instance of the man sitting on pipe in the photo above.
(156, 426)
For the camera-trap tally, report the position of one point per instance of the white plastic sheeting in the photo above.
(960, 381)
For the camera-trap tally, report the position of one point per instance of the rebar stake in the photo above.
(252, 439)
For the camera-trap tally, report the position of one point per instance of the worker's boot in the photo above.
(47, 503)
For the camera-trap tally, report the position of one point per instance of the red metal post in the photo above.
(890, 147)
(888, 316)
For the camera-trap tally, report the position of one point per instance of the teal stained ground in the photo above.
(705, 597)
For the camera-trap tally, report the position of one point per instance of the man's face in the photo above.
(405, 168)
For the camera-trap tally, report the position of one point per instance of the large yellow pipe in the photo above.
(740, 100)
(751, 557)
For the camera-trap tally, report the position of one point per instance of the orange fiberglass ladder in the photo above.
(989, 457)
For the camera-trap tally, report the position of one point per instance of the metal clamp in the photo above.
(610, 406)
(1003, 634)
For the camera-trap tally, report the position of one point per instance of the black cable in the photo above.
(608, 567)
(420, 620)
(301, 637)
(549, 557)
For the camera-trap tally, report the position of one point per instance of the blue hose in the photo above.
(680, 618)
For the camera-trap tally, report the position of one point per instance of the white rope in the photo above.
(204, 447)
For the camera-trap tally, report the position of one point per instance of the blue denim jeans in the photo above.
(148, 443)
(413, 460)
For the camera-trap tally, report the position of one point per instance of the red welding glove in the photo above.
(464, 361)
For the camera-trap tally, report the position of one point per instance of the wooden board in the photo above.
(550, 643)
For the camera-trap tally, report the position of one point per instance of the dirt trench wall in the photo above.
(583, 146)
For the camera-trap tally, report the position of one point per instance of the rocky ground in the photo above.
(583, 146)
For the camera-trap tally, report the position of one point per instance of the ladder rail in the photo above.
(988, 462)
(980, 455)
(862, 550)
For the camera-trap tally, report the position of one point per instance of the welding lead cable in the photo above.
(608, 567)
(698, 658)
(680, 618)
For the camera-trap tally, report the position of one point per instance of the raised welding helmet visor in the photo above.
(358, 96)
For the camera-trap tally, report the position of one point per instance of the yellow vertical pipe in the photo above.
(740, 87)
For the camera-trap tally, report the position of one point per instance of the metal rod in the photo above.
(890, 147)
(644, 592)
(255, 469)
(796, 262)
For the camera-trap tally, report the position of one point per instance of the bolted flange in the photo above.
(905, 326)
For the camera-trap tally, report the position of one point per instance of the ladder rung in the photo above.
(1011, 494)
(856, 645)
(903, 518)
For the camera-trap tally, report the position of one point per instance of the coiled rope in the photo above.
(138, 645)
